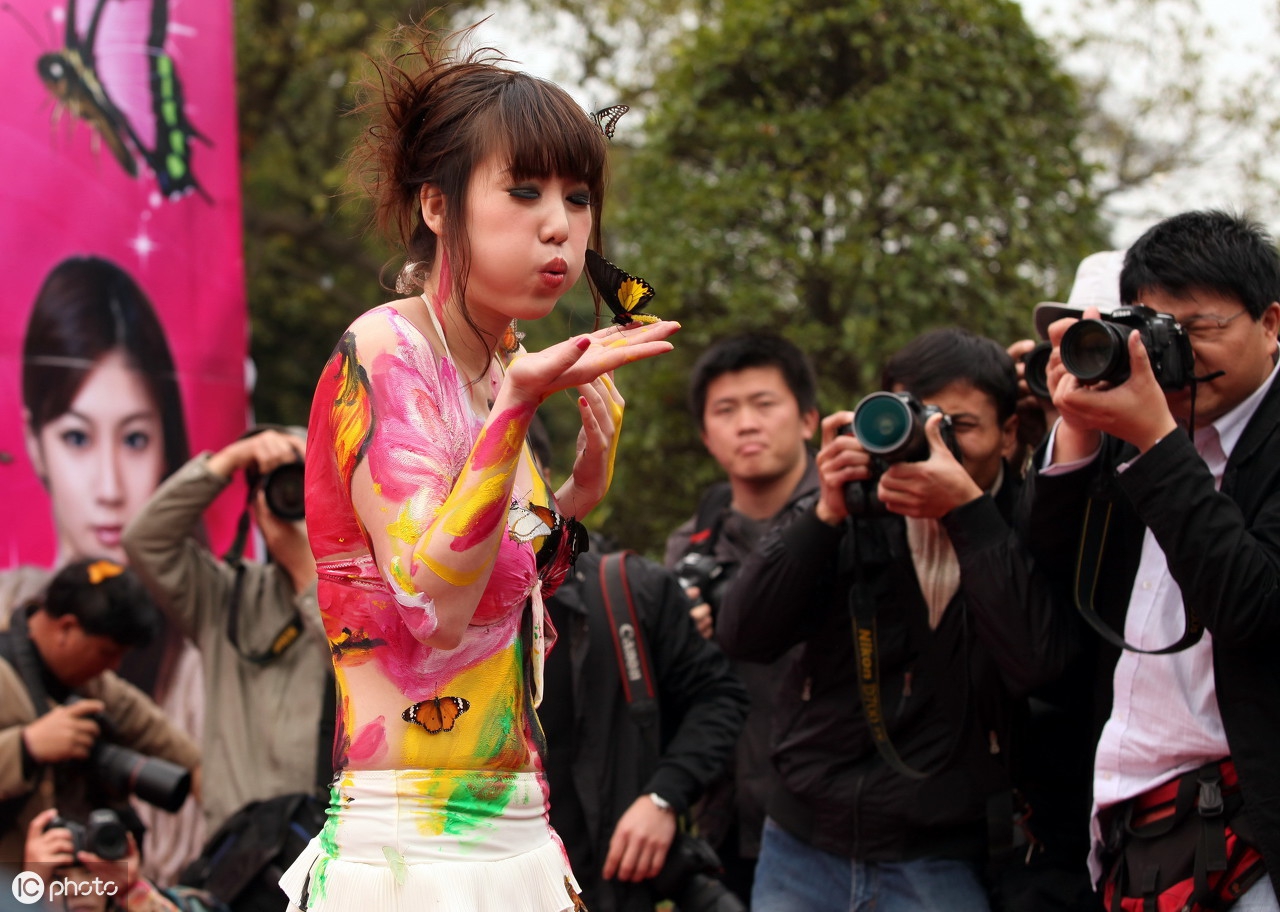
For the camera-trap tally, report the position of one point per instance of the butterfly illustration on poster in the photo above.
(114, 72)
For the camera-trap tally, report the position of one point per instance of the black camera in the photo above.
(705, 572)
(1098, 350)
(104, 834)
(284, 490)
(122, 771)
(1035, 367)
(687, 878)
(890, 426)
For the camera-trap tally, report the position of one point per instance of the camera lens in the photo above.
(106, 835)
(1096, 350)
(155, 781)
(285, 491)
(1035, 369)
(882, 423)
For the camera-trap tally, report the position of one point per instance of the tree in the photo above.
(849, 174)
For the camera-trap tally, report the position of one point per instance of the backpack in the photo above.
(242, 862)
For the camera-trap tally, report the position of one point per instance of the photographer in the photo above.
(882, 781)
(60, 651)
(621, 770)
(754, 399)
(266, 659)
(1182, 461)
(74, 853)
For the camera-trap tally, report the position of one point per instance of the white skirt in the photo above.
(408, 840)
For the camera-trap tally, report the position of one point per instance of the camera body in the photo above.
(1098, 350)
(705, 572)
(687, 878)
(123, 771)
(284, 489)
(104, 834)
(890, 427)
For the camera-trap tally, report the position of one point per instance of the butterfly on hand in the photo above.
(607, 118)
(115, 74)
(437, 715)
(624, 293)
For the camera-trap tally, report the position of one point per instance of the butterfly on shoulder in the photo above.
(624, 293)
(115, 74)
(524, 524)
(607, 118)
(438, 714)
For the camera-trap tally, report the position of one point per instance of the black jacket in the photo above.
(702, 706)
(1223, 550)
(945, 693)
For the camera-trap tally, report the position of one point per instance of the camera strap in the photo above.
(292, 629)
(865, 546)
(629, 645)
(1093, 538)
(16, 649)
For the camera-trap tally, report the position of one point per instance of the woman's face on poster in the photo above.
(101, 460)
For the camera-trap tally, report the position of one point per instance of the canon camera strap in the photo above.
(629, 646)
(292, 629)
(1093, 538)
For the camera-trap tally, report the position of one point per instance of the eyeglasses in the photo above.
(1208, 325)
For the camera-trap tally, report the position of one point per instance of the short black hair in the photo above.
(106, 598)
(1204, 250)
(934, 360)
(747, 350)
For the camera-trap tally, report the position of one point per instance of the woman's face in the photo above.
(101, 460)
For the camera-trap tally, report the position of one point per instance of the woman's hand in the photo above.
(576, 362)
(601, 407)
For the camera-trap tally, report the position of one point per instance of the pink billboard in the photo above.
(123, 339)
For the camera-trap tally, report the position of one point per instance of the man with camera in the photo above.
(1157, 501)
(754, 399)
(267, 667)
(919, 615)
(72, 734)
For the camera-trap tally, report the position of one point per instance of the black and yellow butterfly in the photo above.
(437, 715)
(607, 118)
(115, 74)
(624, 293)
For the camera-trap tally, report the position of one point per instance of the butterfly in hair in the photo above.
(607, 118)
(624, 293)
(437, 715)
(115, 73)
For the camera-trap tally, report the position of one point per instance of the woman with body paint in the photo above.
(419, 486)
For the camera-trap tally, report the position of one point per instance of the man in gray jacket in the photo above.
(266, 659)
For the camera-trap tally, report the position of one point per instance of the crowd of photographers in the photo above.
(1001, 641)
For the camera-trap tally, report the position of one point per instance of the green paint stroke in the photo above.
(328, 842)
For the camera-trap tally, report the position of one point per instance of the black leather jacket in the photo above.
(946, 693)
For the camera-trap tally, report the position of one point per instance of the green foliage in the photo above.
(311, 269)
(848, 174)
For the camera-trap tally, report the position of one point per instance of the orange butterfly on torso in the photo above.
(437, 715)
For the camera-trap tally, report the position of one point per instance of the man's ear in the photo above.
(1009, 432)
(809, 421)
(432, 202)
(34, 451)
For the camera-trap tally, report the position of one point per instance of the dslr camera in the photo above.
(1098, 350)
(705, 572)
(688, 878)
(104, 834)
(283, 488)
(890, 426)
(122, 771)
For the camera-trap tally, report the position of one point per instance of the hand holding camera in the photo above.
(1120, 392)
(272, 461)
(66, 732)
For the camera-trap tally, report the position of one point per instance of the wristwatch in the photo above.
(661, 803)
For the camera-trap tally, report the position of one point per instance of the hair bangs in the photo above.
(546, 134)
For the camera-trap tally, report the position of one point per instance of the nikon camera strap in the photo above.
(1093, 538)
(864, 547)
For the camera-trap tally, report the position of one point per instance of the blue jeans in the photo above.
(792, 876)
